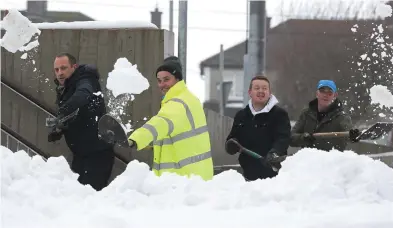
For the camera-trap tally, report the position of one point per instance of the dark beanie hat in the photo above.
(173, 66)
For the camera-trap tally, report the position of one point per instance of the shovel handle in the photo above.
(251, 153)
(245, 150)
(331, 134)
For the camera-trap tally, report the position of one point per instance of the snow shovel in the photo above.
(372, 133)
(53, 121)
(111, 131)
(234, 147)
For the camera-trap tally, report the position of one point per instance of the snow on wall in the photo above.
(97, 25)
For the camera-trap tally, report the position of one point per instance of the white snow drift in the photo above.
(97, 25)
(313, 189)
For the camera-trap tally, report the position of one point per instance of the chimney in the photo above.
(37, 7)
(268, 23)
(156, 17)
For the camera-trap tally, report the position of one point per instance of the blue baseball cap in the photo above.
(327, 83)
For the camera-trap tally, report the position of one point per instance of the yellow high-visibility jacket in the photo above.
(179, 134)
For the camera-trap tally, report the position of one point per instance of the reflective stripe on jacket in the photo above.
(179, 134)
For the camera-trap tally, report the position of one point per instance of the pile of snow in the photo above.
(313, 189)
(381, 95)
(126, 79)
(19, 31)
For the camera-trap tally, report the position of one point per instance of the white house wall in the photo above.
(233, 75)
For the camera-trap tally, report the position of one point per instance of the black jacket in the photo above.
(263, 133)
(78, 91)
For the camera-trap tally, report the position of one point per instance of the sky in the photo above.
(210, 22)
(207, 29)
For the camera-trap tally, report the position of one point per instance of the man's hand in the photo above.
(354, 134)
(55, 135)
(56, 122)
(131, 143)
(269, 158)
(231, 147)
(108, 137)
(307, 137)
(269, 161)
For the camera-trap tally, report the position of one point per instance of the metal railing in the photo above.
(15, 145)
(46, 110)
(29, 99)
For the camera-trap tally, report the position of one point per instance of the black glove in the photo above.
(55, 136)
(56, 122)
(354, 134)
(108, 137)
(271, 156)
(231, 147)
(307, 137)
(269, 160)
(132, 143)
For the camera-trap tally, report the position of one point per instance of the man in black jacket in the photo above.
(78, 87)
(262, 127)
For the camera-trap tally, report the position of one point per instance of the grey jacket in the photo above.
(335, 119)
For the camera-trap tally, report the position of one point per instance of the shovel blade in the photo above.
(376, 131)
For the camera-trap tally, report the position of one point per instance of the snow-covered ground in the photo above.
(314, 189)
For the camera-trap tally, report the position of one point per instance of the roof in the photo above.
(233, 58)
(291, 31)
(54, 16)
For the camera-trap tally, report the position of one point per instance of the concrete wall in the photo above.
(102, 47)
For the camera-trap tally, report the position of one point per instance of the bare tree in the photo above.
(327, 9)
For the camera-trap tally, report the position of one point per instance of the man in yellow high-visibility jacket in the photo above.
(179, 132)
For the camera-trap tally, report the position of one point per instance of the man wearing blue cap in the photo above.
(324, 114)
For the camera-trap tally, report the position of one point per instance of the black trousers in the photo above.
(94, 168)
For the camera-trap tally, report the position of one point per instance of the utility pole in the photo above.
(171, 15)
(255, 58)
(221, 82)
(182, 36)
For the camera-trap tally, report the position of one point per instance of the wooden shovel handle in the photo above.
(331, 134)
